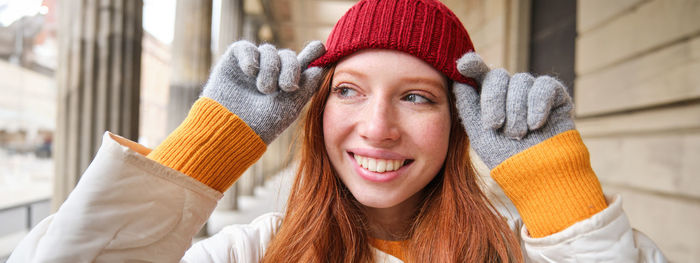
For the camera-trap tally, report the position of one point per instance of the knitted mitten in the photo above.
(252, 95)
(512, 113)
(264, 87)
(523, 130)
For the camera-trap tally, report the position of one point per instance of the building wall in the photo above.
(637, 91)
(155, 80)
(28, 99)
(637, 95)
(498, 28)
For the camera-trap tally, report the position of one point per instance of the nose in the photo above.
(379, 123)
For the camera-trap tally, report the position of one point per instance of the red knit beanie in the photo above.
(426, 29)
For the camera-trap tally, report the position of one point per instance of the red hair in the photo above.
(324, 223)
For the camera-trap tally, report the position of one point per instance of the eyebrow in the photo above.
(348, 71)
(430, 82)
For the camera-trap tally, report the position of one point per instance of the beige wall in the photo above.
(637, 91)
(637, 94)
(499, 30)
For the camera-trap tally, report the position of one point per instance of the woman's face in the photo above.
(386, 125)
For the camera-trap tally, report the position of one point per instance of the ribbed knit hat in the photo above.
(426, 29)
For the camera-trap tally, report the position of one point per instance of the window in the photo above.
(553, 39)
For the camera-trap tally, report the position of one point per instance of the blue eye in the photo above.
(417, 99)
(345, 92)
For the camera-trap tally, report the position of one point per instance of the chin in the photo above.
(378, 199)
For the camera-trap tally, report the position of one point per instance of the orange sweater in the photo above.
(551, 184)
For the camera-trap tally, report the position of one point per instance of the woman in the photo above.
(384, 171)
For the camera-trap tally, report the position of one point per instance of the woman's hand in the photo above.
(265, 87)
(512, 113)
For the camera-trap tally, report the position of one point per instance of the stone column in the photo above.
(98, 82)
(191, 57)
(230, 24)
(230, 29)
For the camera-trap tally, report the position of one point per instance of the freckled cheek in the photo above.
(336, 122)
(432, 134)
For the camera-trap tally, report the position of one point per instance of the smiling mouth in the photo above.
(379, 165)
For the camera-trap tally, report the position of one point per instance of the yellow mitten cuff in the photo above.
(211, 145)
(552, 184)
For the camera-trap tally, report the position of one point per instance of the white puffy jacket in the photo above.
(130, 208)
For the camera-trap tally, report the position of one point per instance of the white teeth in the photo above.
(378, 165)
(372, 166)
(381, 165)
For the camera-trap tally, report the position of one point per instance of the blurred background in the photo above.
(71, 70)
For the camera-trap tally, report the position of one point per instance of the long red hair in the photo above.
(324, 222)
